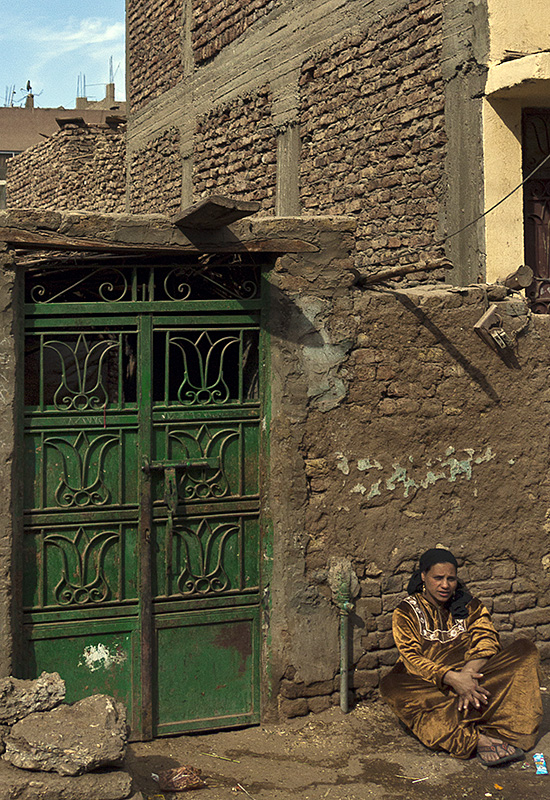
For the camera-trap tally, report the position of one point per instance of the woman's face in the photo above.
(440, 583)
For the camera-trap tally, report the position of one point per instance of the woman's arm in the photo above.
(406, 634)
(484, 640)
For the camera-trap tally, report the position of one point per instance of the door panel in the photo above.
(80, 566)
(102, 657)
(205, 669)
(206, 557)
(82, 468)
(141, 551)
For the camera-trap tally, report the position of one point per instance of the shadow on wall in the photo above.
(474, 373)
(289, 322)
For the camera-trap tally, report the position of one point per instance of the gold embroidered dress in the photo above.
(430, 643)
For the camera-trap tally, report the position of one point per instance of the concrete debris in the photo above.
(70, 739)
(110, 785)
(19, 698)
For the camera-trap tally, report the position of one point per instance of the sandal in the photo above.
(516, 755)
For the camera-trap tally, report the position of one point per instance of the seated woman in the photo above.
(453, 685)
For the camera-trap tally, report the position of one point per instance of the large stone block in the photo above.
(70, 739)
(293, 708)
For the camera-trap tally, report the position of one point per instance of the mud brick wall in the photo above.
(415, 433)
(219, 22)
(156, 176)
(154, 48)
(76, 168)
(235, 151)
(373, 137)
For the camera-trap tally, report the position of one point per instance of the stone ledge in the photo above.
(524, 78)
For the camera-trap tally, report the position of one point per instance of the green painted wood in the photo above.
(141, 551)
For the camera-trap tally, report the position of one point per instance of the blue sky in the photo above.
(51, 42)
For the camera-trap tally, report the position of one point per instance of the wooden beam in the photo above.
(363, 279)
(214, 212)
(520, 279)
(46, 240)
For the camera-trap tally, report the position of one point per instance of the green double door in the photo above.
(141, 545)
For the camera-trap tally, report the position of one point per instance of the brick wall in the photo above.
(219, 22)
(155, 176)
(235, 151)
(373, 138)
(76, 168)
(154, 32)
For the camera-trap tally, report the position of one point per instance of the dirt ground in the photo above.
(332, 756)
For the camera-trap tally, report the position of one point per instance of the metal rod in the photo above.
(344, 655)
(191, 462)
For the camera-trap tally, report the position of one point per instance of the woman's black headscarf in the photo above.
(458, 603)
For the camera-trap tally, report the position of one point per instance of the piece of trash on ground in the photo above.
(179, 779)
(498, 787)
(240, 788)
(224, 758)
(540, 764)
(417, 780)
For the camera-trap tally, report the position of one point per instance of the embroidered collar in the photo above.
(436, 634)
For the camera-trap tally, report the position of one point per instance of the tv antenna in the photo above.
(81, 85)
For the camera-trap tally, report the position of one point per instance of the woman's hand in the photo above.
(465, 683)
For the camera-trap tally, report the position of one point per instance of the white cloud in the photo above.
(85, 35)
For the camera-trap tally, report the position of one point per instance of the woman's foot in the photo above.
(494, 752)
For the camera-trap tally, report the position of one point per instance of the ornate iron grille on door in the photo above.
(142, 526)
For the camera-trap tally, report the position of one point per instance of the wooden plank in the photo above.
(363, 279)
(214, 212)
(45, 240)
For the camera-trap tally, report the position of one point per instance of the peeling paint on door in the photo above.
(99, 656)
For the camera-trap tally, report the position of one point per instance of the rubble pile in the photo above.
(51, 749)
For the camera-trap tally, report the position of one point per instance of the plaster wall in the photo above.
(503, 173)
(392, 427)
(510, 88)
(519, 31)
(517, 26)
